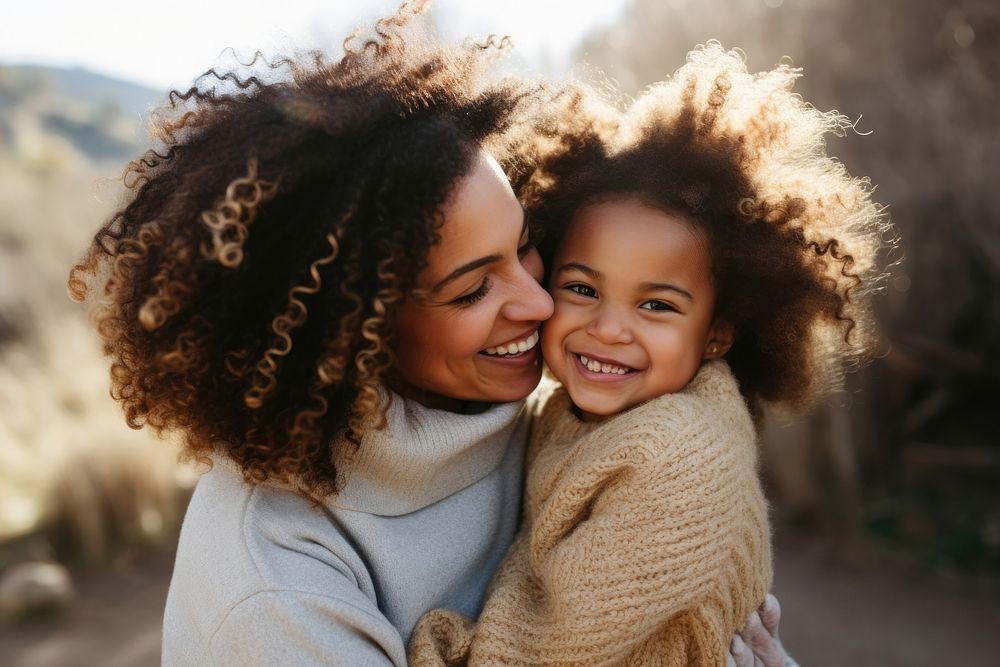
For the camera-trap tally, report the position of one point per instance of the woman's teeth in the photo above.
(514, 348)
(598, 367)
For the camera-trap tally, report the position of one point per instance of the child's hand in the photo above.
(758, 644)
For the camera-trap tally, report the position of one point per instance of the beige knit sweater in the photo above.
(645, 540)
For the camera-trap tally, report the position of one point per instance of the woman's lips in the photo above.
(526, 358)
(520, 352)
(514, 347)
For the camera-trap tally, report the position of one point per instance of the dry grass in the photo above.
(69, 467)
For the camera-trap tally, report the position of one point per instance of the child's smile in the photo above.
(634, 304)
(603, 366)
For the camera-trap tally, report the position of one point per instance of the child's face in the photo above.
(634, 305)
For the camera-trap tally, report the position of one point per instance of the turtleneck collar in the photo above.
(421, 456)
(424, 455)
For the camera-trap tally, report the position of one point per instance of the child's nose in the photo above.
(610, 326)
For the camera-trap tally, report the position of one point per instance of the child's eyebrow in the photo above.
(582, 268)
(667, 287)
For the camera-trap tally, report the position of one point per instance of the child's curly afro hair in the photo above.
(794, 239)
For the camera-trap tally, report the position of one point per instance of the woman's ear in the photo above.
(719, 340)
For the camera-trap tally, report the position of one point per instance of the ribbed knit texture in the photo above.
(645, 540)
(423, 455)
(429, 508)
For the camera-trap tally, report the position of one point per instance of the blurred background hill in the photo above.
(52, 113)
(887, 498)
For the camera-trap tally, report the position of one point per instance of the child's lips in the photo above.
(601, 368)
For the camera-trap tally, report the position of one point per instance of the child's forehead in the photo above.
(628, 240)
(630, 224)
(612, 208)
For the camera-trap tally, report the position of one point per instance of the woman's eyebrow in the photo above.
(465, 268)
(476, 263)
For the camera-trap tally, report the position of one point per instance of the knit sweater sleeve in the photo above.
(659, 551)
(647, 544)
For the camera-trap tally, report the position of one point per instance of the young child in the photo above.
(705, 259)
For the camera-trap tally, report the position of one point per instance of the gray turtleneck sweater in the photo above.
(426, 513)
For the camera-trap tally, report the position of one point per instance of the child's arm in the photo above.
(657, 547)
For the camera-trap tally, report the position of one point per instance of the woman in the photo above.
(326, 285)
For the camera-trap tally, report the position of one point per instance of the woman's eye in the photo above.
(659, 306)
(472, 297)
(582, 290)
(525, 249)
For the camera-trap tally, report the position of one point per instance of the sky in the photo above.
(167, 44)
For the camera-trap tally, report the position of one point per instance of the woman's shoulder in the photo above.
(254, 560)
(255, 528)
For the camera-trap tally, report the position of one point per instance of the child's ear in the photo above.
(720, 339)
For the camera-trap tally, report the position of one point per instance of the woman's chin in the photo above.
(484, 390)
(512, 389)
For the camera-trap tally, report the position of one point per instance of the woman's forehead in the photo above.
(483, 217)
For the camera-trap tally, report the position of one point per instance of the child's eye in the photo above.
(525, 249)
(472, 297)
(582, 290)
(658, 306)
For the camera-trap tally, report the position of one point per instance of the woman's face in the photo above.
(472, 334)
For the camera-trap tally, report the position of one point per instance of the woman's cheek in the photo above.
(474, 330)
(551, 339)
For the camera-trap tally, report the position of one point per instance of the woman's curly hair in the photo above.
(793, 239)
(245, 289)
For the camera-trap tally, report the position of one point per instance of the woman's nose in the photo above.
(529, 302)
(610, 327)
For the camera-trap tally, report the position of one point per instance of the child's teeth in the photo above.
(522, 346)
(491, 350)
(598, 367)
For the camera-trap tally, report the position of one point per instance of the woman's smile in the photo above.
(514, 347)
